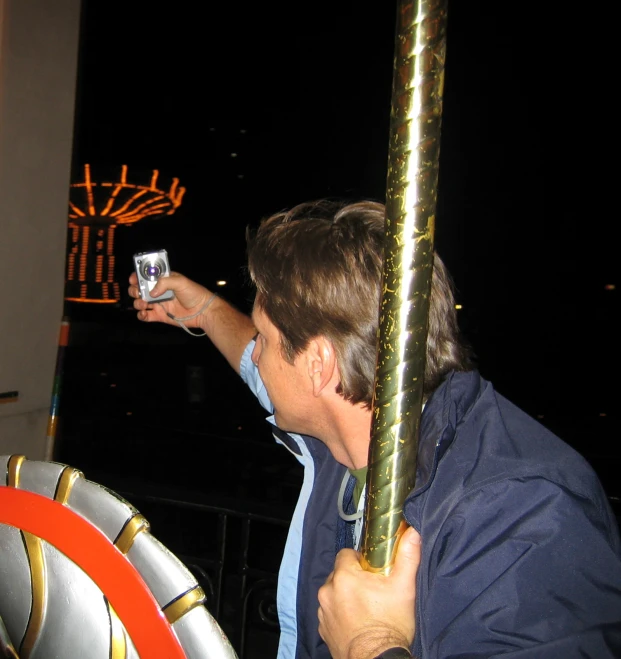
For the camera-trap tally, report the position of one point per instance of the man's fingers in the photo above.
(140, 304)
(408, 555)
(347, 558)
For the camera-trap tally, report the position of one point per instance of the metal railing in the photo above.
(238, 578)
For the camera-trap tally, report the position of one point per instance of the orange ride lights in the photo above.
(96, 208)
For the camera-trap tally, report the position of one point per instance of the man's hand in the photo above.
(361, 613)
(189, 298)
(228, 329)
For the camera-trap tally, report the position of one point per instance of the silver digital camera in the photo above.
(150, 266)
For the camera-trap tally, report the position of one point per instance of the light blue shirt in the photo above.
(286, 595)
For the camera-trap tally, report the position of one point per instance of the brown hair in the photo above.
(317, 269)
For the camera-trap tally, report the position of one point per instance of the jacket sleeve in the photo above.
(523, 569)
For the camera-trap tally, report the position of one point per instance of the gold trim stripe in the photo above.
(13, 468)
(137, 524)
(34, 549)
(183, 604)
(118, 640)
(65, 484)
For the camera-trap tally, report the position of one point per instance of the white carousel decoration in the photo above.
(81, 576)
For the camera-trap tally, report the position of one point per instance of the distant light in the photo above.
(609, 287)
(113, 385)
(240, 176)
(540, 416)
(233, 155)
(129, 413)
(602, 413)
(221, 282)
(103, 375)
(212, 130)
(242, 131)
(458, 306)
(239, 427)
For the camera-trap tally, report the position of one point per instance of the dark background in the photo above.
(301, 94)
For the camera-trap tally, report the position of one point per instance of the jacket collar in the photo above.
(441, 418)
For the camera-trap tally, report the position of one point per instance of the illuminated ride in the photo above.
(95, 211)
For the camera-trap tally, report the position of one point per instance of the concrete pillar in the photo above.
(38, 66)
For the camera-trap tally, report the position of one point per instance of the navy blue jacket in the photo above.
(521, 552)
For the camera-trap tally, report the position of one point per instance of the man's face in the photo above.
(287, 384)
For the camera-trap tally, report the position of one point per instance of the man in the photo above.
(520, 550)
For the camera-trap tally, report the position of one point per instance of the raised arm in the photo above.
(229, 329)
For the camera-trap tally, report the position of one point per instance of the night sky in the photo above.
(301, 94)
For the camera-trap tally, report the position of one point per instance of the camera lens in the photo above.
(152, 270)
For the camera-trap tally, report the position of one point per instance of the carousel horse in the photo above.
(81, 576)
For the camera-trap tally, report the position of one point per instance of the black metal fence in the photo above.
(234, 555)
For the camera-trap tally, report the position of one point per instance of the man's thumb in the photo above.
(407, 559)
(159, 288)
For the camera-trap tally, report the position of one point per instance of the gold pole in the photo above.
(411, 195)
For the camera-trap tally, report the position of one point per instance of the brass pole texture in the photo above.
(411, 194)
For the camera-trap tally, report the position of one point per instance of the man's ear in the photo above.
(321, 363)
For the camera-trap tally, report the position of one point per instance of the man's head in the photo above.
(318, 271)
